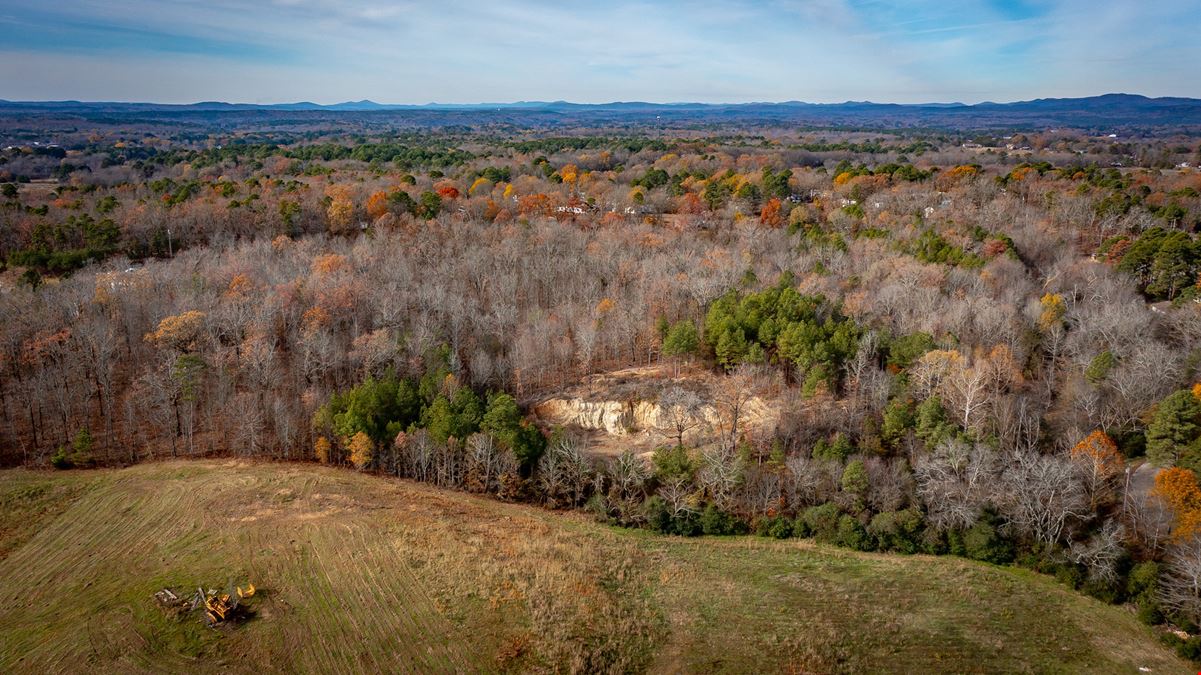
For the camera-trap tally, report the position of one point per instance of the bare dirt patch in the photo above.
(618, 410)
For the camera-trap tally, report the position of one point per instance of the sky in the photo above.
(457, 51)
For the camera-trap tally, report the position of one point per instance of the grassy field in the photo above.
(360, 574)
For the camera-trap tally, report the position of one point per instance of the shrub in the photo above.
(79, 454)
(931, 420)
(800, 528)
(1107, 592)
(362, 451)
(1143, 579)
(1172, 433)
(1189, 648)
(598, 507)
(898, 417)
(903, 351)
(777, 527)
(321, 450)
(60, 459)
(673, 461)
(822, 522)
(1142, 586)
(852, 535)
(1098, 369)
(955, 543)
(660, 519)
(658, 515)
(897, 530)
(1069, 575)
(681, 339)
(687, 524)
(983, 541)
(1149, 612)
(714, 521)
(934, 542)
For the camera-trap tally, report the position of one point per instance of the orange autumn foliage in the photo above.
(690, 203)
(1101, 464)
(327, 264)
(1178, 488)
(770, 215)
(1020, 173)
(377, 205)
(1098, 450)
(963, 171)
(240, 286)
(1118, 251)
(612, 218)
(40, 348)
(536, 204)
(315, 319)
(179, 331)
(321, 449)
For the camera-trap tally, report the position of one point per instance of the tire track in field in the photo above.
(401, 589)
(81, 551)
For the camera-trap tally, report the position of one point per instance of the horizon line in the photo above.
(366, 101)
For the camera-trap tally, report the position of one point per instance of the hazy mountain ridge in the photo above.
(1092, 111)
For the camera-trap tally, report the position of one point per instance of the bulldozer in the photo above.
(221, 607)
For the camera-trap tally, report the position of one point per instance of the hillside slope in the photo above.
(360, 573)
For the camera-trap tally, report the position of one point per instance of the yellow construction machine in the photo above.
(220, 607)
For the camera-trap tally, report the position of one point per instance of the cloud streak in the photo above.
(672, 50)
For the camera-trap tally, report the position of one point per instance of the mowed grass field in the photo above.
(363, 574)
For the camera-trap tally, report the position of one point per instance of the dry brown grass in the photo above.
(371, 575)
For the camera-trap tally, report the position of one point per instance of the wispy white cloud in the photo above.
(672, 50)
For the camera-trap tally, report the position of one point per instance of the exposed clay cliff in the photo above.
(619, 410)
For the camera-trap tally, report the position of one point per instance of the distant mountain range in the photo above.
(1094, 111)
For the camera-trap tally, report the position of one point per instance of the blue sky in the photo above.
(265, 51)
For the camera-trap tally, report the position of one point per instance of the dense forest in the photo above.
(980, 345)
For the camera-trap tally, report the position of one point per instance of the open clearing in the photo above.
(365, 574)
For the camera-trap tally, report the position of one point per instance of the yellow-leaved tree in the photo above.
(1053, 309)
(340, 211)
(179, 331)
(321, 449)
(362, 450)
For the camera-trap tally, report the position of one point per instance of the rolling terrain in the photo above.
(1105, 112)
(361, 573)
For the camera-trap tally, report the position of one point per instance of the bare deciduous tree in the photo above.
(956, 482)
(1180, 585)
(731, 397)
(1041, 495)
(565, 472)
(1101, 553)
(680, 411)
